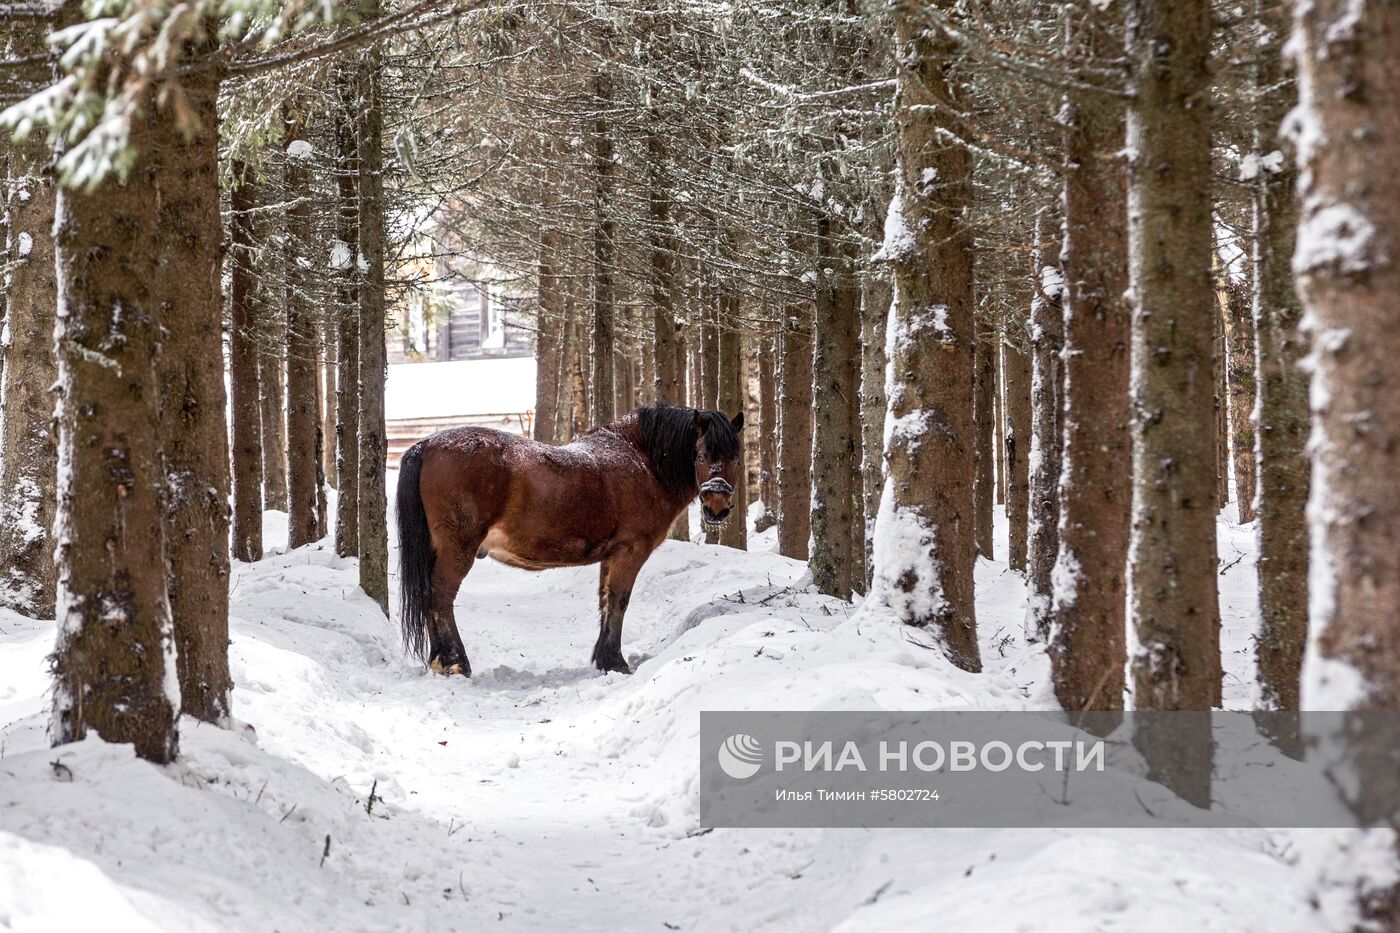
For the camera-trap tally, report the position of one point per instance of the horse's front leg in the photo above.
(615, 579)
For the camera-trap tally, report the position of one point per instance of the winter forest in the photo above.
(1032, 355)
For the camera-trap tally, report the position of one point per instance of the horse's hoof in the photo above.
(435, 665)
(618, 666)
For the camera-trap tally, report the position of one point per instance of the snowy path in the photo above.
(540, 795)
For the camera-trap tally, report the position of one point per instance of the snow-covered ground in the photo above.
(540, 795)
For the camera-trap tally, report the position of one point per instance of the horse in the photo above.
(608, 498)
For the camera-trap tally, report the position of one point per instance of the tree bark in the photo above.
(1347, 268)
(1047, 429)
(984, 372)
(1347, 264)
(834, 442)
(303, 419)
(1282, 393)
(1239, 338)
(190, 382)
(732, 398)
(243, 372)
(999, 417)
(1088, 644)
(28, 453)
(549, 330)
(373, 507)
(347, 299)
(1016, 364)
(925, 549)
(272, 333)
(766, 436)
(661, 250)
(1173, 600)
(795, 433)
(709, 346)
(114, 664)
(874, 322)
(603, 383)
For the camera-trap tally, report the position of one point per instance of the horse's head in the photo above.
(718, 466)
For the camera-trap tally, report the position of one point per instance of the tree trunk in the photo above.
(925, 549)
(999, 418)
(330, 370)
(1173, 599)
(548, 345)
(114, 663)
(1347, 265)
(1088, 644)
(373, 508)
(190, 382)
(272, 333)
(1348, 277)
(347, 316)
(302, 416)
(1222, 408)
(1016, 364)
(834, 443)
(661, 249)
(1047, 429)
(732, 395)
(604, 256)
(795, 433)
(873, 323)
(1282, 400)
(766, 436)
(984, 371)
(28, 453)
(243, 371)
(1239, 337)
(709, 347)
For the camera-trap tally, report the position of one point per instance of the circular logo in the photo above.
(740, 756)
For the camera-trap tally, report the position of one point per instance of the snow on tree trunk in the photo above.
(302, 414)
(373, 507)
(1281, 400)
(999, 416)
(193, 405)
(924, 548)
(1016, 365)
(835, 437)
(1088, 651)
(795, 432)
(28, 455)
(243, 372)
(114, 665)
(874, 320)
(1347, 268)
(347, 319)
(1172, 558)
(1047, 427)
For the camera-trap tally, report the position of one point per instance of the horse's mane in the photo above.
(668, 437)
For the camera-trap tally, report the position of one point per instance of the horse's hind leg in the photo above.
(615, 580)
(446, 655)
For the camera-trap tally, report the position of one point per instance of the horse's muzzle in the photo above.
(715, 486)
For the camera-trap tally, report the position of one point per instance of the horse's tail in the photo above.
(416, 555)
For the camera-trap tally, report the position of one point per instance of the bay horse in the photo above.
(608, 498)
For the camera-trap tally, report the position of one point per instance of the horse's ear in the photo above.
(738, 421)
(702, 423)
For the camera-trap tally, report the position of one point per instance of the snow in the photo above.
(541, 795)
(25, 245)
(899, 241)
(300, 149)
(466, 387)
(1336, 237)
